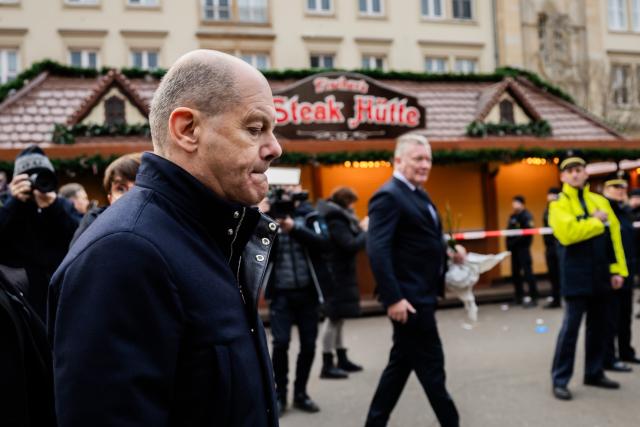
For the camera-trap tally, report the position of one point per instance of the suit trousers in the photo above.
(595, 307)
(521, 263)
(416, 347)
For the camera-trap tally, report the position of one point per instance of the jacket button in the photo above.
(259, 258)
(272, 226)
(265, 241)
(253, 331)
(236, 214)
(230, 232)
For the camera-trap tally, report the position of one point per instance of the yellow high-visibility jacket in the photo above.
(583, 240)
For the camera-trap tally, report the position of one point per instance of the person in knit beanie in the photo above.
(36, 225)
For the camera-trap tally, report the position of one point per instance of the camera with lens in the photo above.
(283, 203)
(38, 167)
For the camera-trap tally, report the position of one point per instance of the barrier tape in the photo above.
(478, 235)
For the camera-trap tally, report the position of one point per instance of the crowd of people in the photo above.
(150, 303)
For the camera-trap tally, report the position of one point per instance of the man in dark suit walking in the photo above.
(409, 256)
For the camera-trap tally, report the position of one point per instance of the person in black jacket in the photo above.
(551, 253)
(36, 225)
(119, 177)
(408, 257)
(342, 299)
(26, 380)
(153, 313)
(621, 300)
(295, 280)
(520, 248)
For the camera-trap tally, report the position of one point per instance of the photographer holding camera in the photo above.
(36, 225)
(294, 280)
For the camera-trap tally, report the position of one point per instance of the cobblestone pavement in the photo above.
(497, 373)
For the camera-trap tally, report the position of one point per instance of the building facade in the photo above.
(417, 35)
(590, 48)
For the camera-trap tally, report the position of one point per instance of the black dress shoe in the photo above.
(633, 359)
(304, 403)
(618, 366)
(602, 382)
(562, 393)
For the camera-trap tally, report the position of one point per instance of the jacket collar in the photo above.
(228, 223)
(574, 192)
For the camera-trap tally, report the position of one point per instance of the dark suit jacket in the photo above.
(405, 245)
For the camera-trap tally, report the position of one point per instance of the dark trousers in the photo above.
(521, 263)
(290, 308)
(416, 347)
(619, 325)
(551, 256)
(595, 308)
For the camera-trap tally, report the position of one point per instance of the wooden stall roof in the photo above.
(29, 115)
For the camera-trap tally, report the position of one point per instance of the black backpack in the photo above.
(26, 377)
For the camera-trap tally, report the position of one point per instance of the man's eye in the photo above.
(255, 130)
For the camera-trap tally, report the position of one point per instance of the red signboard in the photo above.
(345, 106)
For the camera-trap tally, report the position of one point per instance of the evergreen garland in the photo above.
(67, 134)
(287, 74)
(96, 164)
(539, 128)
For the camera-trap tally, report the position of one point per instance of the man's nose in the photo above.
(272, 150)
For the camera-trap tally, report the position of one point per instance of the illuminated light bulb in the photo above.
(356, 164)
(556, 160)
(347, 164)
(370, 164)
(377, 164)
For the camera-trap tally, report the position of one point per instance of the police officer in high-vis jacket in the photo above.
(592, 263)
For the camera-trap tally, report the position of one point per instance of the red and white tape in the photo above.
(478, 235)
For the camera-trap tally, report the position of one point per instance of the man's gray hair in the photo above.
(407, 139)
(205, 85)
(71, 190)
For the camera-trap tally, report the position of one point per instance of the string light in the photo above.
(367, 164)
(535, 161)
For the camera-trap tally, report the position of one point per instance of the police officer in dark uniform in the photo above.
(621, 304)
(592, 263)
(520, 252)
(551, 252)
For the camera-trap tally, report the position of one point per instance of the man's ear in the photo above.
(184, 128)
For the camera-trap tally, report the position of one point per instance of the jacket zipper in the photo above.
(235, 236)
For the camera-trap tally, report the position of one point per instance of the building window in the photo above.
(617, 14)
(8, 65)
(372, 62)
(432, 9)
(370, 7)
(462, 9)
(83, 58)
(217, 10)
(620, 84)
(143, 3)
(506, 111)
(322, 61)
(82, 2)
(258, 60)
(466, 66)
(144, 59)
(435, 65)
(635, 14)
(252, 10)
(320, 6)
(114, 111)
